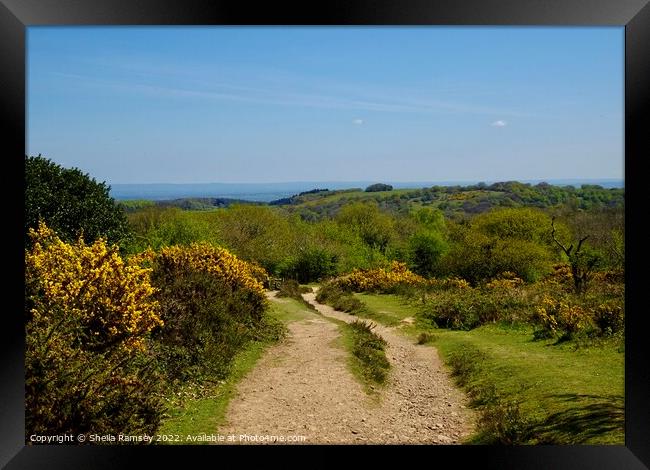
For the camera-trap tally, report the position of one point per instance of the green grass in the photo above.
(288, 310)
(529, 391)
(205, 415)
(366, 354)
(387, 309)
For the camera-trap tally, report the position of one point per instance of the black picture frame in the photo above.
(634, 15)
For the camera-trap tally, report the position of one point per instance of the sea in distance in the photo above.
(265, 192)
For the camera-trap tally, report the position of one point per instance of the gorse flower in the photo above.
(557, 315)
(397, 274)
(113, 301)
(203, 257)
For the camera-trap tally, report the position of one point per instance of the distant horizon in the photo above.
(265, 192)
(605, 178)
(369, 181)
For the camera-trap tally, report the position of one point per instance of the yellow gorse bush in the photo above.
(397, 274)
(380, 279)
(113, 301)
(451, 283)
(557, 314)
(561, 276)
(203, 257)
(505, 281)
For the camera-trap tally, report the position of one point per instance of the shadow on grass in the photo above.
(585, 421)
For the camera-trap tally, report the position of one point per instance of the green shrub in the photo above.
(290, 288)
(424, 338)
(465, 363)
(424, 252)
(464, 309)
(308, 266)
(89, 365)
(206, 324)
(502, 423)
(369, 349)
(332, 295)
(610, 317)
(71, 203)
(293, 290)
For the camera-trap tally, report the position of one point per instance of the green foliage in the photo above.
(503, 423)
(308, 265)
(332, 295)
(465, 363)
(369, 349)
(610, 317)
(256, 233)
(72, 389)
(454, 200)
(206, 322)
(290, 288)
(425, 250)
(132, 205)
(89, 366)
(375, 228)
(515, 240)
(378, 187)
(71, 203)
(425, 338)
(464, 309)
(157, 227)
(429, 218)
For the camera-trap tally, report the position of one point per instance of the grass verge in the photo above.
(204, 415)
(367, 353)
(291, 289)
(527, 392)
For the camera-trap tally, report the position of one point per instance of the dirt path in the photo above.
(302, 387)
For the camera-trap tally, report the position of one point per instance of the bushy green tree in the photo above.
(156, 227)
(379, 187)
(308, 265)
(425, 251)
(513, 239)
(257, 233)
(375, 228)
(71, 203)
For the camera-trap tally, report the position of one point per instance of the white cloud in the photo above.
(499, 123)
(358, 122)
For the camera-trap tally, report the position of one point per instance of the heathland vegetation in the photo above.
(135, 309)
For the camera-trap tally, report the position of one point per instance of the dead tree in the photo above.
(581, 266)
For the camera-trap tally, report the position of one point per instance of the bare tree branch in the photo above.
(567, 251)
(580, 242)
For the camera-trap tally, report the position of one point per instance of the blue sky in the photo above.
(276, 104)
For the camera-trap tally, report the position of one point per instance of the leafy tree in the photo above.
(71, 203)
(309, 265)
(425, 251)
(375, 227)
(379, 187)
(430, 218)
(515, 240)
(257, 233)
